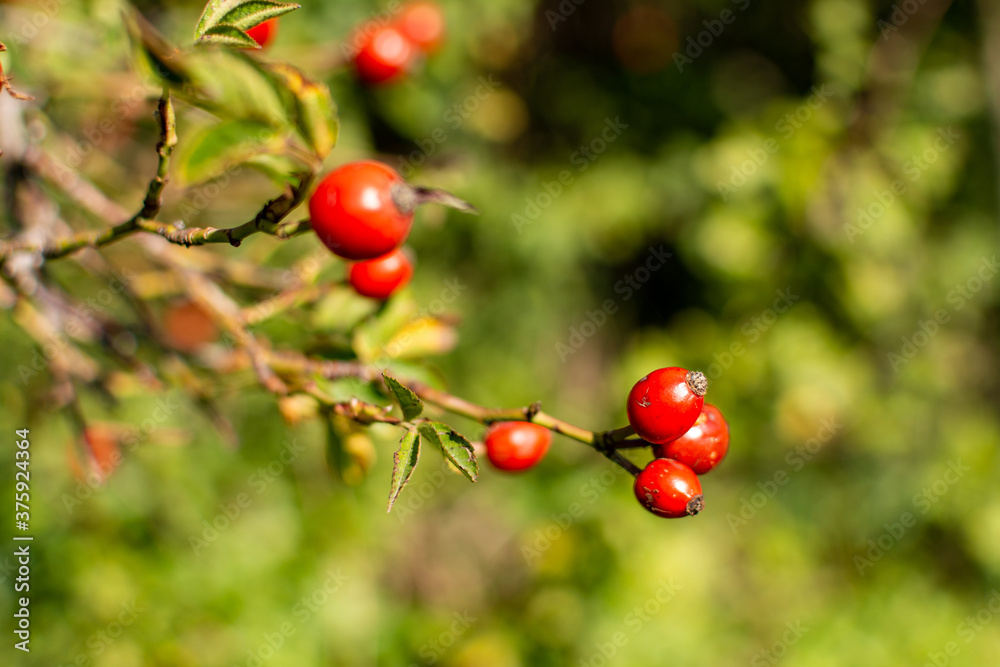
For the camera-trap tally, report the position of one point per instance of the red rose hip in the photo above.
(263, 33)
(362, 210)
(669, 489)
(423, 24)
(663, 405)
(381, 277)
(516, 446)
(386, 54)
(703, 446)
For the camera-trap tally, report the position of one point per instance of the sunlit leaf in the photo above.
(240, 14)
(408, 401)
(403, 462)
(454, 446)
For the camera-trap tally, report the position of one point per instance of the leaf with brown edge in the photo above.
(403, 462)
(314, 109)
(408, 401)
(453, 445)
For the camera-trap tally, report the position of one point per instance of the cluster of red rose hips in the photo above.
(387, 51)
(363, 211)
(667, 410)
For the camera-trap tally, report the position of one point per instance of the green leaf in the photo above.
(154, 54)
(210, 151)
(241, 14)
(314, 110)
(403, 463)
(228, 35)
(240, 87)
(408, 401)
(453, 446)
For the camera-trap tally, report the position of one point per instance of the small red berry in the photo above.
(385, 54)
(669, 489)
(703, 446)
(516, 446)
(263, 33)
(423, 24)
(362, 210)
(379, 278)
(663, 405)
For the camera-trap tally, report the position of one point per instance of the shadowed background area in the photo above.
(797, 198)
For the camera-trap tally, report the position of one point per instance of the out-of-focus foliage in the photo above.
(839, 291)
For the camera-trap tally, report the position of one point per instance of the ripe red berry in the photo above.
(423, 24)
(703, 446)
(385, 54)
(362, 210)
(669, 489)
(379, 278)
(517, 445)
(663, 405)
(263, 33)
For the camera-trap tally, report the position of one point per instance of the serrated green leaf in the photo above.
(228, 35)
(408, 401)
(403, 462)
(453, 446)
(242, 14)
(209, 151)
(314, 110)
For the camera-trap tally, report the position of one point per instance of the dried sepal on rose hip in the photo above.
(364, 210)
(666, 403)
(669, 489)
(514, 446)
(703, 446)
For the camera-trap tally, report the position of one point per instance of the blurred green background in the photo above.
(823, 177)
